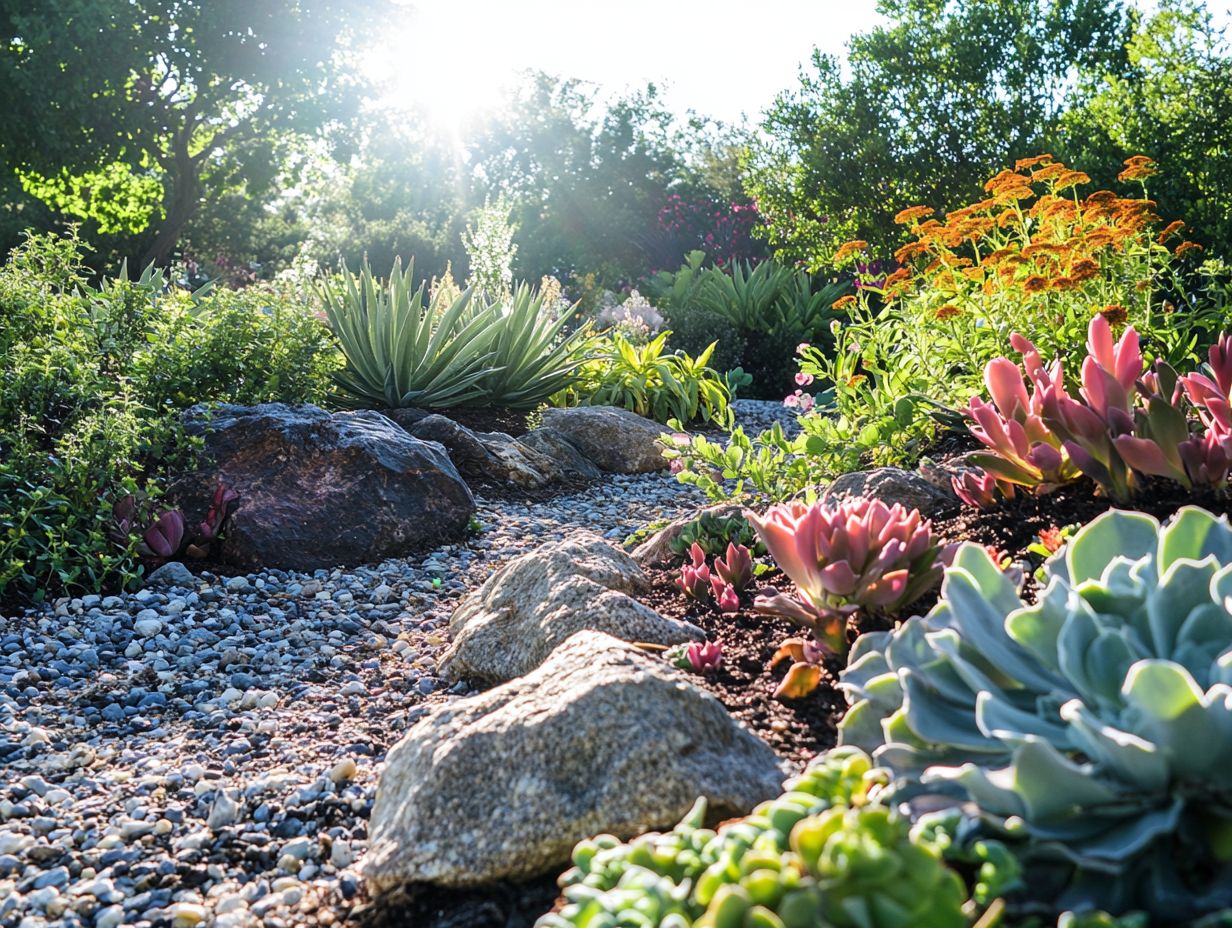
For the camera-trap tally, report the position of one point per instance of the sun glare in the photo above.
(436, 63)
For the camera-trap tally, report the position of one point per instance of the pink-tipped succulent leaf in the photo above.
(737, 569)
(976, 489)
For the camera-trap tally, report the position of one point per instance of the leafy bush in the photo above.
(650, 382)
(759, 313)
(1093, 726)
(91, 383)
(404, 351)
(248, 346)
(825, 854)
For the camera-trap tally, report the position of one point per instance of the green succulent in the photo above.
(1095, 725)
(714, 533)
(825, 854)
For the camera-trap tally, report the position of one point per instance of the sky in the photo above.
(722, 58)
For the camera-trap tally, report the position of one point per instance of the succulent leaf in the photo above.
(1094, 724)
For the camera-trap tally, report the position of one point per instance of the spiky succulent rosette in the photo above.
(859, 553)
(1095, 724)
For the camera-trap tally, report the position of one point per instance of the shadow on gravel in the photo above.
(504, 905)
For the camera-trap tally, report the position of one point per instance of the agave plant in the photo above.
(452, 351)
(1095, 725)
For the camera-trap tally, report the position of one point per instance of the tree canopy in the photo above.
(146, 108)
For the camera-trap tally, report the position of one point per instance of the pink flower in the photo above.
(803, 379)
(792, 400)
(802, 347)
(806, 402)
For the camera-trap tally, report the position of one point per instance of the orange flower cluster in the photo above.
(1139, 167)
(912, 213)
(843, 302)
(849, 250)
(1033, 234)
(1115, 313)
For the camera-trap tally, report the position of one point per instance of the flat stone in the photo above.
(600, 738)
(522, 612)
(892, 485)
(615, 439)
(173, 573)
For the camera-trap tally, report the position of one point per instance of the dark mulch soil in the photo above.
(796, 729)
(507, 905)
(1016, 523)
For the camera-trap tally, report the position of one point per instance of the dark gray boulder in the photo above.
(320, 490)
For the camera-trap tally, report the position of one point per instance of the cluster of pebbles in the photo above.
(205, 751)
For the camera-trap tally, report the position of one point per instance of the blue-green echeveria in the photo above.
(1094, 724)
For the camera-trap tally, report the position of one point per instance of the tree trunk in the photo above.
(182, 200)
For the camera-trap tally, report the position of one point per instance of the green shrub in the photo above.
(1094, 726)
(91, 384)
(650, 382)
(759, 314)
(247, 346)
(403, 350)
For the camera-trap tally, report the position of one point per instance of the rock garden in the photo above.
(851, 554)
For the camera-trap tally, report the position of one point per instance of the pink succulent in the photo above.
(694, 579)
(1022, 447)
(698, 656)
(858, 554)
(977, 489)
(728, 600)
(737, 570)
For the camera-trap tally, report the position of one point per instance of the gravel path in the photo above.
(206, 753)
